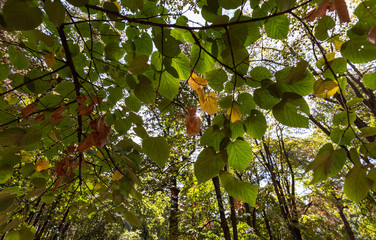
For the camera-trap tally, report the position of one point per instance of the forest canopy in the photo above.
(209, 119)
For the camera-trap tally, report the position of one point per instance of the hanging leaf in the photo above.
(256, 124)
(20, 16)
(50, 59)
(41, 165)
(81, 99)
(83, 110)
(234, 113)
(158, 154)
(117, 176)
(297, 73)
(208, 165)
(319, 12)
(55, 11)
(17, 58)
(196, 82)
(213, 137)
(369, 80)
(192, 122)
(56, 115)
(242, 191)
(277, 27)
(29, 109)
(210, 103)
(343, 13)
(239, 154)
(357, 184)
(325, 88)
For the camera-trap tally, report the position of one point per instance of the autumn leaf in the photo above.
(196, 82)
(56, 115)
(41, 165)
(234, 113)
(49, 58)
(97, 100)
(117, 176)
(29, 109)
(40, 117)
(210, 103)
(372, 35)
(192, 122)
(325, 88)
(83, 110)
(319, 12)
(342, 10)
(81, 99)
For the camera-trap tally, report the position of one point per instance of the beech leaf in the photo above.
(192, 122)
(210, 103)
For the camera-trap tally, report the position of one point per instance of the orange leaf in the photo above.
(372, 35)
(81, 99)
(210, 103)
(192, 122)
(41, 165)
(117, 176)
(196, 82)
(200, 93)
(29, 109)
(59, 169)
(50, 59)
(85, 110)
(342, 10)
(234, 113)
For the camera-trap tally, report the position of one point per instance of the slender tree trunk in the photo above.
(344, 220)
(224, 225)
(233, 219)
(251, 222)
(268, 226)
(174, 219)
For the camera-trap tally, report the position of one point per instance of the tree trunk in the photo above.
(224, 225)
(174, 211)
(344, 220)
(233, 219)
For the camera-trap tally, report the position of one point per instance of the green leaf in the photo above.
(144, 44)
(297, 73)
(241, 191)
(26, 233)
(256, 124)
(327, 163)
(55, 11)
(17, 58)
(246, 33)
(366, 12)
(122, 126)
(245, 103)
(157, 149)
(344, 118)
(20, 16)
(78, 3)
(264, 99)
(288, 111)
(358, 51)
(139, 64)
(13, 235)
(216, 78)
(208, 165)
(357, 184)
(323, 25)
(200, 60)
(342, 137)
(369, 80)
(182, 66)
(237, 129)
(300, 82)
(132, 219)
(145, 91)
(277, 27)
(230, 4)
(4, 71)
(168, 86)
(170, 44)
(7, 200)
(239, 154)
(284, 5)
(133, 103)
(6, 173)
(212, 137)
(338, 66)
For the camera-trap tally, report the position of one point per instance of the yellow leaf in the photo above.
(99, 154)
(97, 186)
(210, 103)
(55, 135)
(337, 44)
(196, 82)
(12, 98)
(325, 88)
(50, 59)
(200, 93)
(26, 156)
(117, 176)
(234, 113)
(42, 165)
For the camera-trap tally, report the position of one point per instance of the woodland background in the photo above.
(209, 119)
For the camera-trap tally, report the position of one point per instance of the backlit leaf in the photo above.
(234, 113)
(357, 184)
(41, 165)
(325, 88)
(210, 103)
(196, 82)
(239, 154)
(242, 191)
(208, 165)
(158, 154)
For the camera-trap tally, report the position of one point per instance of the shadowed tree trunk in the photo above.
(224, 225)
(174, 210)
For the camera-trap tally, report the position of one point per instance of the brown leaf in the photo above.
(97, 100)
(331, 7)
(192, 122)
(319, 12)
(56, 115)
(40, 117)
(29, 109)
(81, 99)
(85, 110)
(342, 10)
(59, 169)
(372, 35)
(180, 115)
